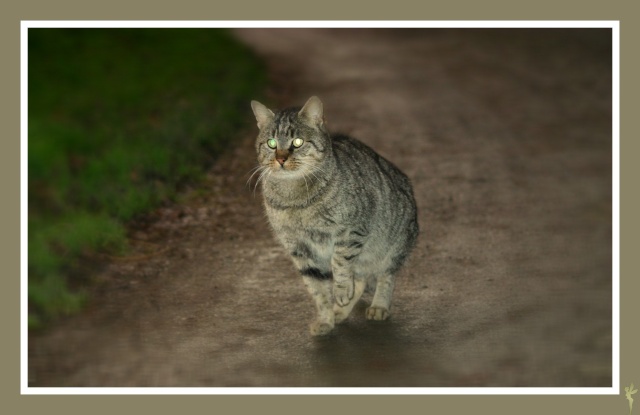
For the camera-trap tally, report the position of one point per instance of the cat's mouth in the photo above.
(286, 168)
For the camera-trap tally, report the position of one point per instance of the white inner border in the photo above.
(613, 390)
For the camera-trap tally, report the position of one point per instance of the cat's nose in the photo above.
(281, 156)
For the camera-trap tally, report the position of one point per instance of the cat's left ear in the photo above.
(312, 111)
(263, 114)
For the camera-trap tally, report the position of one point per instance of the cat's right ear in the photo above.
(263, 114)
(312, 111)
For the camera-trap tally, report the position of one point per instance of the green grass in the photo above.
(119, 119)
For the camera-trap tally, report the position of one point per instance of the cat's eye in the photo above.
(272, 143)
(298, 142)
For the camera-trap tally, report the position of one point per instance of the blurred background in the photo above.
(119, 121)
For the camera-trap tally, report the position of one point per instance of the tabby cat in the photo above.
(346, 215)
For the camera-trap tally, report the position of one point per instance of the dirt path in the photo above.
(507, 139)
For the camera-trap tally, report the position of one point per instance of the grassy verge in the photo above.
(119, 119)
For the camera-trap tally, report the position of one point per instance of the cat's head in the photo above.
(294, 141)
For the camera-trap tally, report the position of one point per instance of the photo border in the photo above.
(612, 24)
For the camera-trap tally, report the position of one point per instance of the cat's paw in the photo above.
(377, 313)
(340, 313)
(320, 328)
(343, 293)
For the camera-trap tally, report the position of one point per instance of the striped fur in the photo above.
(346, 215)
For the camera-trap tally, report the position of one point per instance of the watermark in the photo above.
(630, 391)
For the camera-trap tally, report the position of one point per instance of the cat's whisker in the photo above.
(305, 165)
(306, 185)
(255, 171)
(255, 186)
(311, 169)
(315, 170)
(265, 173)
(254, 168)
(315, 167)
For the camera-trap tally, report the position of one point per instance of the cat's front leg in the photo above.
(345, 252)
(317, 278)
(342, 312)
(343, 288)
(319, 286)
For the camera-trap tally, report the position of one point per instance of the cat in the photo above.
(346, 216)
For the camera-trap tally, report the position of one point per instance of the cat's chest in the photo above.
(308, 226)
(300, 219)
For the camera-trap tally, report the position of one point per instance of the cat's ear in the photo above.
(263, 114)
(312, 111)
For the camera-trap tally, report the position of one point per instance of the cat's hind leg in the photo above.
(342, 312)
(381, 304)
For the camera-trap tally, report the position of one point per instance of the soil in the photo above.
(507, 138)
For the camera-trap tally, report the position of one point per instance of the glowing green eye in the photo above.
(298, 142)
(272, 143)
